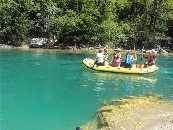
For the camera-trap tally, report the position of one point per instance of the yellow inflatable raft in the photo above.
(89, 63)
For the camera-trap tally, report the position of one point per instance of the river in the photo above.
(42, 90)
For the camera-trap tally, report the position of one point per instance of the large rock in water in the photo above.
(135, 113)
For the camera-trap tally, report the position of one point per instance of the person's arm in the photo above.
(112, 60)
(96, 58)
(133, 59)
(105, 57)
(119, 55)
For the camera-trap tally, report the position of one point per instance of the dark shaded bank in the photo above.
(134, 113)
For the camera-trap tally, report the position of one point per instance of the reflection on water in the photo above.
(117, 84)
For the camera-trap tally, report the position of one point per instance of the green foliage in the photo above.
(14, 23)
(125, 23)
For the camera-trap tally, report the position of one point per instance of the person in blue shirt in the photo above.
(128, 60)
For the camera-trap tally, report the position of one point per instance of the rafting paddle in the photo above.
(136, 57)
(140, 65)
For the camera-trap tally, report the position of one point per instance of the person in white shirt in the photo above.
(99, 58)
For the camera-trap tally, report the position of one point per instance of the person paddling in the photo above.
(105, 53)
(128, 60)
(151, 58)
(99, 61)
(116, 59)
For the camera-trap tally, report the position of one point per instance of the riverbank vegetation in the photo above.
(83, 23)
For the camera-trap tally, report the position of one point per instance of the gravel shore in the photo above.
(74, 50)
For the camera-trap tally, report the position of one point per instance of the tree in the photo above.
(126, 23)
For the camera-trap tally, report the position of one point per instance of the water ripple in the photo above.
(99, 89)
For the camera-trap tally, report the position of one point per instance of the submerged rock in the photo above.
(134, 113)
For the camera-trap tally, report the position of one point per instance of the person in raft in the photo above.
(151, 59)
(105, 53)
(99, 61)
(116, 59)
(128, 60)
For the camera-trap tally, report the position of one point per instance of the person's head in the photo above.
(105, 50)
(116, 51)
(100, 50)
(128, 52)
(152, 51)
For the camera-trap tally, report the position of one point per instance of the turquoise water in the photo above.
(53, 91)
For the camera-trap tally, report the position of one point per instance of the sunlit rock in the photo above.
(140, 112)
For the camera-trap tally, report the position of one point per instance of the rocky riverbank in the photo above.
(68, 49)
(149, 112)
